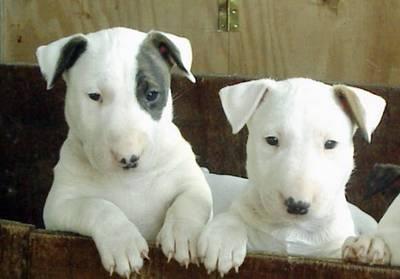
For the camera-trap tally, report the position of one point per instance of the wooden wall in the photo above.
(355, 41)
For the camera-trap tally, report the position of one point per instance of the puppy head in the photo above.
(300, 147)
(118, 100)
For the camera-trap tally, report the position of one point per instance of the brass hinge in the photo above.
(228, 15)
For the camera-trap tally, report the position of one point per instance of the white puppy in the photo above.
(383, 245)
(299, 159)
(125, 173)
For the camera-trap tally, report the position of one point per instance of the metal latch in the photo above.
(228, 15)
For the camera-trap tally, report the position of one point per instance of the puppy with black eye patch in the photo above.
(125, 175)
(299, 159)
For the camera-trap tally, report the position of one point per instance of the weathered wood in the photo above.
(14, 249)
(65, 255)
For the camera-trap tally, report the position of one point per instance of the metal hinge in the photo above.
(228, 15)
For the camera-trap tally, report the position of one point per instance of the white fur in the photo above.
(165, 198)
(381, 246)
(303, 114)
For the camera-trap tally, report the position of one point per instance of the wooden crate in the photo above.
(33, 129)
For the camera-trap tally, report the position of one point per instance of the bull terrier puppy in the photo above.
(299, 159)
(125, 174)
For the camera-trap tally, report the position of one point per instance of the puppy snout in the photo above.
(296, 207)
(129, 162)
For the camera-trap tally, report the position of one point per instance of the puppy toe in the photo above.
(167, 246)
(135, 260)
(225, 262)
(378, 252)
(202, 246)
(211, 258)
(238, 257)
(182, 252)
(122, 266)
(193, 251)
(108, 262)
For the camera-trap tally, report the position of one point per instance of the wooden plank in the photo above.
(14, 249)
(28, 24)
(353, 41)
(62, 255)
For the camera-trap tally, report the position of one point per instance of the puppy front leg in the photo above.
(183, 223)
(223, 243)
(120, 244)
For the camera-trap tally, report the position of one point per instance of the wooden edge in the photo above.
(2, 31)
(41, 253)
(14, 249)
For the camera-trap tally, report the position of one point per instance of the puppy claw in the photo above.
(221, 274)
(137, 271)
(236, 268)
(170, 255)
(111, 271)
(209, 271)
(345, 252)
(127, 275)
(186, 264)
(360, 252)
(145, 255)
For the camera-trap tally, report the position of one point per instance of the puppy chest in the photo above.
(146, 208)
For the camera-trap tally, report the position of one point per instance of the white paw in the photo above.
(222, 246)
(366, 249)
(178, 240)
(122, 249)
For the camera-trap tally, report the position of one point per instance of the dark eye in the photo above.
(272, 141)
(152, 95)
(330, 144)
(94, 96)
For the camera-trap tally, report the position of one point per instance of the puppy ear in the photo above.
(59, 56)
(364, 108)
(241, 100)
(176, 51)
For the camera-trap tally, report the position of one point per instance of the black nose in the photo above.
(296, 207)
(132, 163)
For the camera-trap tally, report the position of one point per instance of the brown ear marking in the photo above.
(167, 49)
(344, 103)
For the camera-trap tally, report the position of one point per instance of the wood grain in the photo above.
(352, 41)
(333, 40)
(28, 24)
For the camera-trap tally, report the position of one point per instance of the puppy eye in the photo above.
(330, 144)
(272, 141)
(152, 95)
(94, 96)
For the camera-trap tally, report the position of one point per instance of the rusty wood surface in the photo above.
(64, 255)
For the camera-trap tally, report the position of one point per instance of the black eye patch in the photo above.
(152, 91)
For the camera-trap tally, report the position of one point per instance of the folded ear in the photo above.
(176, 51)
(241, 100)
(59, 56)
(364, 108)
